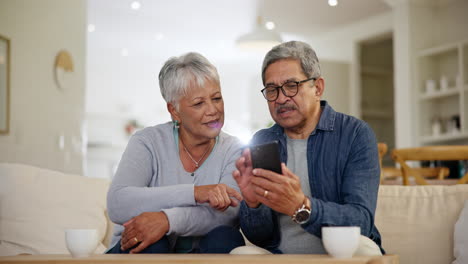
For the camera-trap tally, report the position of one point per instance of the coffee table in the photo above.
(196, 259)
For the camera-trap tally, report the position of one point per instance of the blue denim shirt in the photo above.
(342, 158)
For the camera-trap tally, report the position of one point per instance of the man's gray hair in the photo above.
(294, 50)
(181, 73)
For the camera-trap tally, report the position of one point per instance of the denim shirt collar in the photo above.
(326, 121)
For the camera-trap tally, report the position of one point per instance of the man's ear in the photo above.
(319, 87)
(173, 111)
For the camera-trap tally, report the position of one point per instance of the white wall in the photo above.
(343, 45)
(40, 112)
(451, 24)
(337, 82)
(338, 45)
(246, 110)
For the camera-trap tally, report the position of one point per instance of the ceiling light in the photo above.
(135, 5)
(124, 52)
(332, 2)
(270, 25)
(159, 36)
(260, 39)
(91, 28)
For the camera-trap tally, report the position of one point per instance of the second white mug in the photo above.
(81, 242)
(341, 241)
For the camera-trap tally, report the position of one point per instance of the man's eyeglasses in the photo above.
(289, 89)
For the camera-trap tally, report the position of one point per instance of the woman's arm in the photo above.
(129, 194)
(199, 220)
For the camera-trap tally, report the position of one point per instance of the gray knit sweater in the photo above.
(151, 178)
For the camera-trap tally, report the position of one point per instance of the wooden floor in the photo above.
(197, 258)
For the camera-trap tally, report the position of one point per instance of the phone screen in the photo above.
(266, 156)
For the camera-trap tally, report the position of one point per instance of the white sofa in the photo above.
(37, 205)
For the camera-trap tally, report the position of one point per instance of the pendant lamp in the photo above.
(261, 39)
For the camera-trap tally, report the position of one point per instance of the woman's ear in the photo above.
(173, 111)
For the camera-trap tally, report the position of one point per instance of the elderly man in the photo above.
(332, 172)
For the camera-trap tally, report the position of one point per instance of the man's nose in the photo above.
(281, 97)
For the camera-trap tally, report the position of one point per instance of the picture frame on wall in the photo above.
(4, 85)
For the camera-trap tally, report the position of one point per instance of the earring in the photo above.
(176, 124)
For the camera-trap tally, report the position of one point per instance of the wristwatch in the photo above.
(302, 215)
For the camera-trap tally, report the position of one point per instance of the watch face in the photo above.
(302, 216)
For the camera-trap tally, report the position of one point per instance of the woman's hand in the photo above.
(219, 196)
(145, 229)
(243, 176)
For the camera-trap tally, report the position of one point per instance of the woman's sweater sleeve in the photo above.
(129, 194)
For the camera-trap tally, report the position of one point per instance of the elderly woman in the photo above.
(173, 190)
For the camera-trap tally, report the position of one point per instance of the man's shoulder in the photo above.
(345, 125)
(354, 129)
(346, 121)
(331, 120)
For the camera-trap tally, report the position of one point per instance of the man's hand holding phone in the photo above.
(260, 180)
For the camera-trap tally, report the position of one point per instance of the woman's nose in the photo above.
(212, 109)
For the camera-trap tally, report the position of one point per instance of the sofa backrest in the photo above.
(417, 222)
(37, 205)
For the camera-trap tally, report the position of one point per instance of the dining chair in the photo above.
(428, 153)
(383, 148)
(393, 174)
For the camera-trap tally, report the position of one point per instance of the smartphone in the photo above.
(266, 156)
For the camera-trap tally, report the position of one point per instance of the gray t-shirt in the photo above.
(294, 239)
(151, 178)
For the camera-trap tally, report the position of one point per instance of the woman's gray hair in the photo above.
(181, 73)
(294, 50)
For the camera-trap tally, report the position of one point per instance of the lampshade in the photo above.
(260, 39)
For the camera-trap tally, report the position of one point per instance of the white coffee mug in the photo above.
(444, 83)
(341, 241)
(430, 86)
(81, 242)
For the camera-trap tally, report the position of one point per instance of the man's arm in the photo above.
(258, 224)
(359, 189)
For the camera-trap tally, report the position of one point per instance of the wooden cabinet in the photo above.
(443, 94)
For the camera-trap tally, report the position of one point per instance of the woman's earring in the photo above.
(176, 124)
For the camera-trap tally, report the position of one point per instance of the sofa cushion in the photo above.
(37, 205)
(417, 222)
(460, 249)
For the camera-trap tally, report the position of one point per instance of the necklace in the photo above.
(190, 156)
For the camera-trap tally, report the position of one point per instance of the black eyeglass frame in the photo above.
(283, 91)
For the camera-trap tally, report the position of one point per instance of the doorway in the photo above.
(377, 90)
